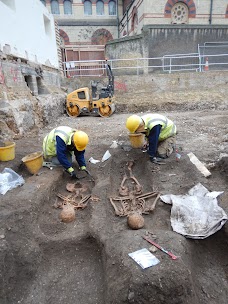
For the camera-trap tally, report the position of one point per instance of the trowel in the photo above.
(89, 175)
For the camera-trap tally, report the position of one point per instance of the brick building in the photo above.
(138, 13)
(87, 25)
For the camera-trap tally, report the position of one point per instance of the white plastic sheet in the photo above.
(9, 179)
(196, 215)
(106, 156)
(114, 144)
(93, 161)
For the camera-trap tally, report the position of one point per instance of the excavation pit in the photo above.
(44, 260)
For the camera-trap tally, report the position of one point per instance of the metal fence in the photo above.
(73, 69)
(181, 62)
(210, 56)
(216, 53)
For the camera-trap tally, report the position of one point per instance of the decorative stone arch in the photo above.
(189, 3)
(64, 36)
(134, 19)
(226, 15)
(101, 37)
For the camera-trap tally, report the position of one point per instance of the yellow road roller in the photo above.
(97, 100)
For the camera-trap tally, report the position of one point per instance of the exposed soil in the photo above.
(43, 260)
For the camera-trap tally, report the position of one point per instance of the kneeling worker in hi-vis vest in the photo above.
(160, 133)
(60, 144)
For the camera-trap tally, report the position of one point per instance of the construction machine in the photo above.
(97, 100)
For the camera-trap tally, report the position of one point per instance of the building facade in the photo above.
(138, 13)
(29, 44)
(85, 26)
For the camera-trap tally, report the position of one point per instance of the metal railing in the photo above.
(183, 62)
(215, 52)
(136, 66)
(73, 69)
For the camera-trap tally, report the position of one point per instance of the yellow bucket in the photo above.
(33, 162)
(8, 151)
(137, 140)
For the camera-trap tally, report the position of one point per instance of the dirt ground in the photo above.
(44, 260)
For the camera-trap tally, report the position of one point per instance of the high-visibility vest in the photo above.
(168, 128)
(49, 142)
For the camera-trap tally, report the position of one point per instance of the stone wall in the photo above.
(146, 85)
(159, 40)
(164, 92)
(171, 92)
(24, 78)
(176, 82)
(164, 40)
(30, 97)
(22, 112)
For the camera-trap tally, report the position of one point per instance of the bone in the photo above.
(134, 200)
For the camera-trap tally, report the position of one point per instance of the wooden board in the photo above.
(199, 165)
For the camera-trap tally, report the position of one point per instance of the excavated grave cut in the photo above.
(44, 259)
(62, 263)
(69, 272)
(63, 272)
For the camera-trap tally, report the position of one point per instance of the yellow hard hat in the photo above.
(80, 140)
(133, 122)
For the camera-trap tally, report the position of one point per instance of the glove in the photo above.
(72, 173)
(83, 168)
(157, 160)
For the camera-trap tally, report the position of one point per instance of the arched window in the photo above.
(100, 8)
(55, 7)
(87, 8)
(67, 5)
(179, 13)
(112, 8)
(44, 2)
